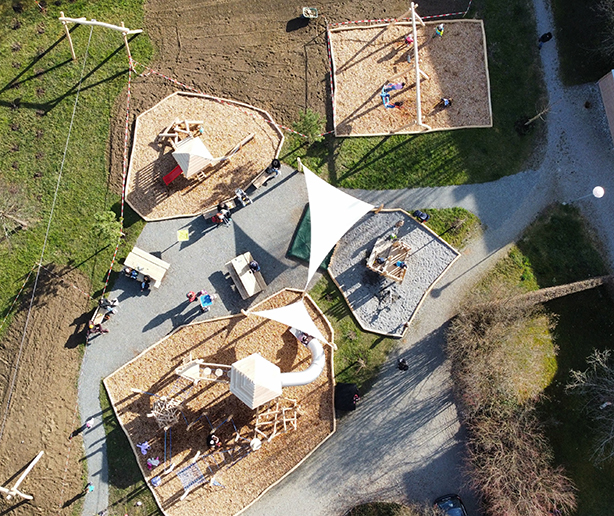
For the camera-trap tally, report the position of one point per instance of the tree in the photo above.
(606, 9)
(311, 124)
(596, 384)
(106, 226)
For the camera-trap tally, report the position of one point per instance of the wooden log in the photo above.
(72, 49)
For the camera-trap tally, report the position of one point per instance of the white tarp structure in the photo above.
(333, 213)
(255, 380)
(192, 156)
(295, 316)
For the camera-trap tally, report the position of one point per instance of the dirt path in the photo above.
(42, 410)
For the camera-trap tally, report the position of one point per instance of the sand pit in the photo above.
(222, 341)
(225, 125)
(366, 58)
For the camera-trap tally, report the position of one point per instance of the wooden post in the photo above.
(416, 65)
(72, 50)
(126, 43)
(13, 490)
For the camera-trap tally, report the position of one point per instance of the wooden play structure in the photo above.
(275, 418)
(178, 130)
(165, 411)
(84, 21)
(192, 156)
(197, 370)
(416, 62)
(389, 257)
(14, 491)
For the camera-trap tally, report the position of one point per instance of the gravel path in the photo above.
(379, 303)
(405, 442)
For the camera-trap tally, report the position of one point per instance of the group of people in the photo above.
(109, 306)
(385, 94)
(223, 215)
(131, 273)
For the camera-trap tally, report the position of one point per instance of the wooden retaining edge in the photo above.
(332, 375)
(485, 50)
(334, 78)
(426, 292)
(267, 116)
(402, 23)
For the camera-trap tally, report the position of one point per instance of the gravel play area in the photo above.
(365, 58)
(222, 341)
(225, 125)
(379, 304)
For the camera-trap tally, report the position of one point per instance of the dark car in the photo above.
(451, 505)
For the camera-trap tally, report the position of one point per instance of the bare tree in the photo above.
(596, 384)
(605, 9)
(16, 212)
(511, 465)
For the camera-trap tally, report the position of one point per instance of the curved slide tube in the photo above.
(318, 360)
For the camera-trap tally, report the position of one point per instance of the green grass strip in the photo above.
(38, 84)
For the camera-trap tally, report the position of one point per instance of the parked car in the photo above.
(451, 505)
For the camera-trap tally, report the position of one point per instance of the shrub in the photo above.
(311, 124)
(596, 385)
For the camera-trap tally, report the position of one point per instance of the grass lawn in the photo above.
(38, 86)
(454, 157)
(360, 354)
(126, 484)
(578, 34)
(555, 250)
(456, 226)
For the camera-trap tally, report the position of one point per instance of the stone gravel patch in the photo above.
(379, 304)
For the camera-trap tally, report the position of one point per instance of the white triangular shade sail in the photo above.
(333, 213)
(255, 380)
(192, 156)
(296, 316)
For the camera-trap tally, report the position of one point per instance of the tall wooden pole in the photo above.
(72, 50)
(416, 65)
(128, 49)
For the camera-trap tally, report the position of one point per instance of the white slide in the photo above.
(318, 360)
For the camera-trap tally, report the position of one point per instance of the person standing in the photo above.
(544, 38)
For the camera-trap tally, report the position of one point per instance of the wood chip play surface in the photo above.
(367, 58)
(221, 341)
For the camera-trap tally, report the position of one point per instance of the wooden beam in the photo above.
(72, 49)
(124, 34)
(85, 21)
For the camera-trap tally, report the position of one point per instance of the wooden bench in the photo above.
(260, 179)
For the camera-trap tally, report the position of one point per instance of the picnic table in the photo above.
(146, 265)
(248, 282)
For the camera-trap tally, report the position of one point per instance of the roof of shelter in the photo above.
(294, 315)
(192, 156)
(255, 380)
(333, 213)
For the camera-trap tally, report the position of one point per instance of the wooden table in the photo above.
(248, 282)
(147, 265)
